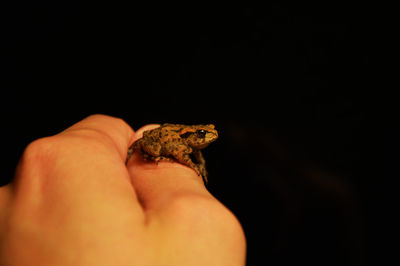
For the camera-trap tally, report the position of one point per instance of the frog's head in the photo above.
(199, 136)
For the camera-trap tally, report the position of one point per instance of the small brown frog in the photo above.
(180, 142)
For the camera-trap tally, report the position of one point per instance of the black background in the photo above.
(285, 83)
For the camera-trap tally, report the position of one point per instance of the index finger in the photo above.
(81, 169)
(114, 130)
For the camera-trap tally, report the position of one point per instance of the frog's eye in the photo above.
(201, 133)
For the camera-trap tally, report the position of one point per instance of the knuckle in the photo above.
(97, 116)
(115, 122)
(120, 121)
(38, 147)
(35, 159)
(111, 119)
(39, 150)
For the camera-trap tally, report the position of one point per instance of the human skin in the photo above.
(73, 201)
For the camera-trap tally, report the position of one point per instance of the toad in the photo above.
(173, 142)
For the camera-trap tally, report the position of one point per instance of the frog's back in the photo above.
(152, 134)
(170, 133)
(173, 127)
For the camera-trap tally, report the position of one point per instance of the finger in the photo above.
(5, 197)
(116, 130)
(82, 166)
(157, 184)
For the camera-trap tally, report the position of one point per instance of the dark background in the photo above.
(285, 83)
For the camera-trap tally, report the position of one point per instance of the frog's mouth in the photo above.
(202, 146)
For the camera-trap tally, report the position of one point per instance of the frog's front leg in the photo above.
(201, 164)
(186, 160)
(181, 154)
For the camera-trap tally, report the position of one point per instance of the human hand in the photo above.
(73, 201)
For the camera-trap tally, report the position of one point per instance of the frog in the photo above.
(176, 142)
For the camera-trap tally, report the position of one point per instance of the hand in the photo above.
(73, 201)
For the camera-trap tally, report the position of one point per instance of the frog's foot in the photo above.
(129, 155)
(156, 159)
(201, 171)
(200, 164)
(133, 148)
(163, 158)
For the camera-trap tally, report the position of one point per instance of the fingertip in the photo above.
(116, 129)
